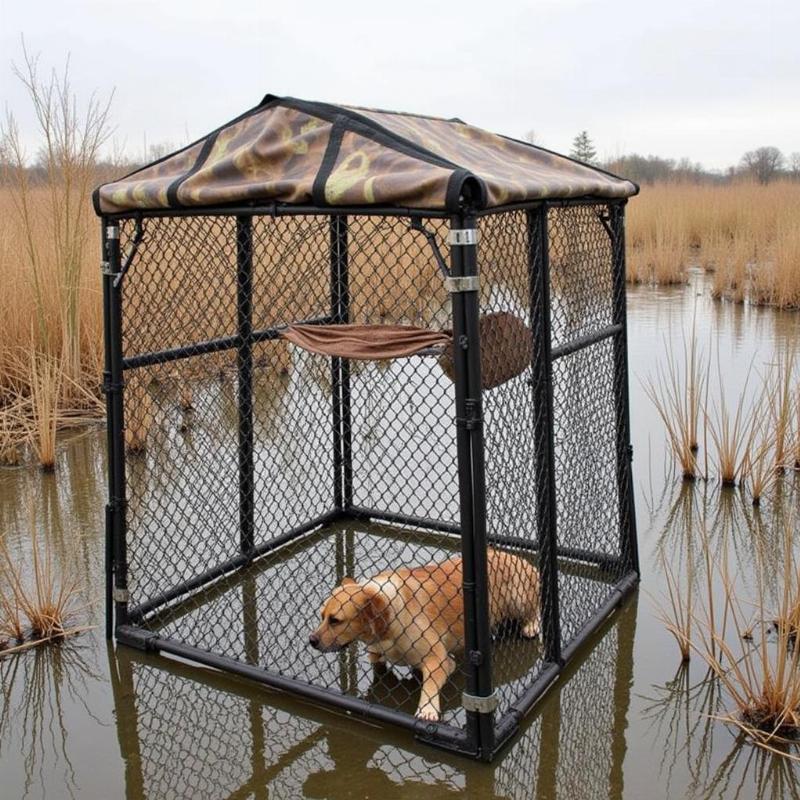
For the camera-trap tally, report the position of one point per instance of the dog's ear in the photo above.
(347, 581)
(376, 614)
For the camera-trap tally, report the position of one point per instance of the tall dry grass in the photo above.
(745, 233)
(51, 351)
(751, 648)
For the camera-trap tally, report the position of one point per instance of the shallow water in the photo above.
(84, 719)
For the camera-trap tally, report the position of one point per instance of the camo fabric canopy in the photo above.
(291, 151)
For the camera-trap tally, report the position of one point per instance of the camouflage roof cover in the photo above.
(292, 151)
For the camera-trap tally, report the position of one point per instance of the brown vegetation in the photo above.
(51, 351)
(44, 596)
(679, 392)
(752, 653)
(745, 233)
(749, 438)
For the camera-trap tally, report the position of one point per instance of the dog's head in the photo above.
(351, 612)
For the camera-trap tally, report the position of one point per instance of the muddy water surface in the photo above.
(87, 720)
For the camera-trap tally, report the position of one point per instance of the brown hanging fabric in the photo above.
(365, 342)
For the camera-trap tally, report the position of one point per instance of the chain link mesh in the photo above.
(337, 442)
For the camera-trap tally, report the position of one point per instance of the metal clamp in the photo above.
(105, 267)
(483, 705)
(463, 236)
(121, 595)
(466, 283)
(112, 232)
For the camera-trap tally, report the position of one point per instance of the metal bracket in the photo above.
(473, 417)
(483, 705)
(109, 387)
(105, 268)
(121, 595)
(467, 283)
(416, 225)
(137, 240)
(112, 232)
(463, 236)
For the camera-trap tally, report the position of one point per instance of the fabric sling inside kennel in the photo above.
(341, 342)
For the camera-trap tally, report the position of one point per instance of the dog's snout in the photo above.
(313, 639)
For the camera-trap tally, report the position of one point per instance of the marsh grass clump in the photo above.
(781, 401)
(732, 431)
(759, 473)
(679, 392)
(677, 614)
(43, 595)
(753, 654)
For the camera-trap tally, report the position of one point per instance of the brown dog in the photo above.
(416, 616)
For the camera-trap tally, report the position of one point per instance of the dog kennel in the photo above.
(342, 341)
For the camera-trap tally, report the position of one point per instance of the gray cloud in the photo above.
(707, 80)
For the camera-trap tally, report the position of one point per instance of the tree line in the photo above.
(764, 164)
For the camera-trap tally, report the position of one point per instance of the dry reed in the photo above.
(743, 232)
(44, 595)
(679, 393)
(732, 432)
(756, 660)
(677, 615)
(49, 371)
(781, 405)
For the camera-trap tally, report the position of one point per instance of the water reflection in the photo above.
(702, 760)
(43, 695)
(188, 732)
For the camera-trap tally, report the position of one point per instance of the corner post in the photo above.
(479, 698)
(542, 383)
(244, 366)
(116, 545)
(340, 367)
(629, 549)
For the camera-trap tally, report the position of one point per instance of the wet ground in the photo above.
(83, 719)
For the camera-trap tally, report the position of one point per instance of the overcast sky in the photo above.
(702, 79)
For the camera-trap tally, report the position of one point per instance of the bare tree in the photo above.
(794, 164)
(530, 136)
(764, 163)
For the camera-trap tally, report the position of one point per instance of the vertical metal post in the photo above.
(542, 383)
(340, 367)
(112, 292)
(472, 485)
(244, 365)
(629, 550)
(109, 518)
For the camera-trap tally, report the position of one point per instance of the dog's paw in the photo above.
(530, 630)
(428, 714)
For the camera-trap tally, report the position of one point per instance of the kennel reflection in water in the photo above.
(376, 349)
(186, 732)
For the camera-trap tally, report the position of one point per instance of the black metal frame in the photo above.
(483, 735)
